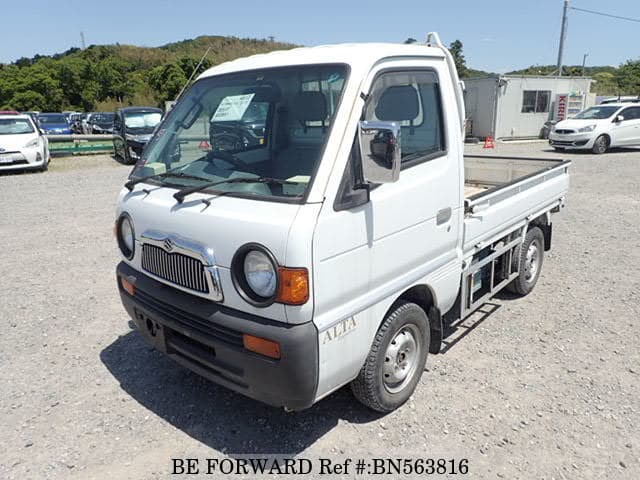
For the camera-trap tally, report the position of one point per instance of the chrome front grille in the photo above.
(174, 267)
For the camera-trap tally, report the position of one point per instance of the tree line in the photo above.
(104, 77)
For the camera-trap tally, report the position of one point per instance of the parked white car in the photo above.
(599, 128)
(22, 146)
(341, 246)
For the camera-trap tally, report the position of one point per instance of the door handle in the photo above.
(443, 216)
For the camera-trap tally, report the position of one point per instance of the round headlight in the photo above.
(260, 273)
(254, 272)
(126, 236)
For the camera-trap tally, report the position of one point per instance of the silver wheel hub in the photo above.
(532, 262)
(401, 359)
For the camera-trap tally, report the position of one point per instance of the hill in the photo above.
(102, 77)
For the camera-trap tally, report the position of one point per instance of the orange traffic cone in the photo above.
(489, 143)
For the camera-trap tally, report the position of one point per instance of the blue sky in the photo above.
(498, 35)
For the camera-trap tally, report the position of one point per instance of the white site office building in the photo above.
(517, 106)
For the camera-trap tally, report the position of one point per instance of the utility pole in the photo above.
(584, 62)
(563, 36)
(82, 44)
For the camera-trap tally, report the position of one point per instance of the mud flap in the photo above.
(435, 324)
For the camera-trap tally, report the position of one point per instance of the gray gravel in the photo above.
(542, 387)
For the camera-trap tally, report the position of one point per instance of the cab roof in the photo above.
(356, 55)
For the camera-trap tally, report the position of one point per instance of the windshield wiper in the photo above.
(169, 173)
(179, 195)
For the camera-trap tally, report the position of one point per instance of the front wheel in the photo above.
(45, 163)
(529, 257)
(601, 145)
(396, 360)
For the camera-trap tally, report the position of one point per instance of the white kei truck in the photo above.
(306, 219)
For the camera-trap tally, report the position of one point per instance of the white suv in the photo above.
(22, 146)
(599, 128)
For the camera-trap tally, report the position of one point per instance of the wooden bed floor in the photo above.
(472, 190)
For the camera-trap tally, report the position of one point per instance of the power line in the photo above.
(637, 20)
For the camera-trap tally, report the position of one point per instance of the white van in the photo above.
(305, 219)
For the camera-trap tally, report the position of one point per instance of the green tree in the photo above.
(456, 52)
(28, 100)
(167, 80)
(628, 78)
(605, 83)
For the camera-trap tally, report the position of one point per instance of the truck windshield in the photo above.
(142, 121)
(271, 123)
(596, 113)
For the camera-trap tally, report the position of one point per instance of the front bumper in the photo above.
(571, 140)
(135, 148)
(24, 159)
(206, 338)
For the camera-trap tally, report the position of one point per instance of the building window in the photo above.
(536, 101)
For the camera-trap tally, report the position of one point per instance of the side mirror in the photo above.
(619, 118)
(380, 151)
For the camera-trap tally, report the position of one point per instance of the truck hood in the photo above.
(225, 225)
(12, 143)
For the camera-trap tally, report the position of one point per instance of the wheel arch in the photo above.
(424, 296)
(543, 222)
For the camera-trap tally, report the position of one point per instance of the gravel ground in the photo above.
(542, 387)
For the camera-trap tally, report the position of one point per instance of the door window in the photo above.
(413, 100)
(632, 113)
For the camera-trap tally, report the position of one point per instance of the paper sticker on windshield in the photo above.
(232, 108)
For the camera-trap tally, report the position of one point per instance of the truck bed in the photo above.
(503, 192)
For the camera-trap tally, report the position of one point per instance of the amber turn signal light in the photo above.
(294, 286)
(127, 286)
(262, 346)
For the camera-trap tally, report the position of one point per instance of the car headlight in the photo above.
(126, 235)
(260, 273)
(255, 274)
(33, 143)
(588, 128)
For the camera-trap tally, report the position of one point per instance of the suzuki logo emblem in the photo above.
(168, 245)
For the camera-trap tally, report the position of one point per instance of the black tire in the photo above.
(601, 145)
(375, 388)
(533, 246)
(45, 165)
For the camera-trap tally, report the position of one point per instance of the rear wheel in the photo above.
(530, 257)
(396, 360)
(601, 145)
